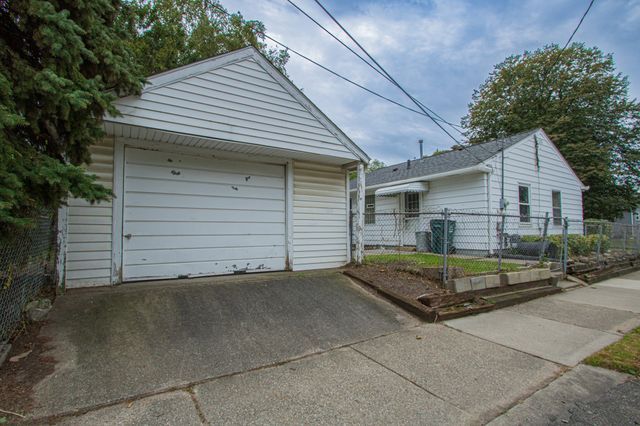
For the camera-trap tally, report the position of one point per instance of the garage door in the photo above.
(196, 216)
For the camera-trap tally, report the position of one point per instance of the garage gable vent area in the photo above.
(236, 102)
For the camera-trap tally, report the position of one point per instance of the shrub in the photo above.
(579, 245)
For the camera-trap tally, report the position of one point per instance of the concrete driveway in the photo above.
(112, 344)
(315, 348)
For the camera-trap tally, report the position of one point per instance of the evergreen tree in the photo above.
(62, 64)
(582, 103)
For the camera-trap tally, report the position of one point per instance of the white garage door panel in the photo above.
(166, 186)
(165, 256)
(203, 164)
(205, 228)
(199, 216)
(195, 269)
(144, 171)
(194, 201)
(195, 241)
(180, 214)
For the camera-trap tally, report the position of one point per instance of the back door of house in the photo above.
(195, 216)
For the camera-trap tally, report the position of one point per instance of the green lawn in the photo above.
(470, 266)
(623, 356)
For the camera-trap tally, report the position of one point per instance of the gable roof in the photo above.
(266, 108)
(470, 156)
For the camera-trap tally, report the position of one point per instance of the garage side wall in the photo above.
(88, 261)
(320, 221)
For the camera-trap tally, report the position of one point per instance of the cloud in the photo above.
(440, 50)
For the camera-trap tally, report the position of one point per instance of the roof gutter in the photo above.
(478, 168)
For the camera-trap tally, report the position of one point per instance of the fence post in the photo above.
(445, 247)
(545, 229)
(599, 244)
(359, 219)
(636, 240)
(624, 239)
(565, 244)
(501, 240)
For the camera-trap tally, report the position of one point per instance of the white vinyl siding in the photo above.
(319, 216)
(554, 175)
(463, 192)
(88, 260)
(195, 216)
(239, 102)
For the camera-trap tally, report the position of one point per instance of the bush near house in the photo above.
(579, 245)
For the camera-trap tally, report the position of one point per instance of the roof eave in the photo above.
(478, 168)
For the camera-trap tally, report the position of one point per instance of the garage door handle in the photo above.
(128, 236)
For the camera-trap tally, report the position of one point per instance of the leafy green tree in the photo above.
(62, 64)
(166, 34)
(374, 165)
(582, 103)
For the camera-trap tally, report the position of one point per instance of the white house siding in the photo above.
(554, 175)
(465, 193)
(238, 102)
(88, 260)
(319, 216)
(387, 229)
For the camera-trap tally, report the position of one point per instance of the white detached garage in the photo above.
(218, 167)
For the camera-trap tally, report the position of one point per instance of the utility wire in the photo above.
(559, 55)
(334, 72)
(394, 81)
(340, 75)
(454, 126)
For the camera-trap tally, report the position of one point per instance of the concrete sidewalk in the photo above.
(564, 328)
(463, 372)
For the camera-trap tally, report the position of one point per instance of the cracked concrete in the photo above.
(319, 350)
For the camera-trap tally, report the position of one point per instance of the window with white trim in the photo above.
(556, 201)
(369, 209)
(411, 204)
(524, 203)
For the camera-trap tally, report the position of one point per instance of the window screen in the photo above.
(556, 200)
(523, 201)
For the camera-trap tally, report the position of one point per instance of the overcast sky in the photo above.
(440, 51)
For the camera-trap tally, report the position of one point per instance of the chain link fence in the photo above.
(26, 266)
(480, 243)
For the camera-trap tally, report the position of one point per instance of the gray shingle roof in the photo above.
(445, 162)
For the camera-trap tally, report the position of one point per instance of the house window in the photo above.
(411, 204)
(524, 203)
(556, 200)
(369, 209)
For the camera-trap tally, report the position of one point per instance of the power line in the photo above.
(575, 30)
(365, 61)
(341, 76)
(336, 73)
(393, 80)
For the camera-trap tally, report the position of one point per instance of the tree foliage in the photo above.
(166, 34)
(58, 60)
(582, 103)
(373, 165)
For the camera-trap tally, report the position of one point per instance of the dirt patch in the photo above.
(17, 379)
(397, 280)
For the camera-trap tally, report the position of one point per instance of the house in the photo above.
(537, 180)
(219, 167)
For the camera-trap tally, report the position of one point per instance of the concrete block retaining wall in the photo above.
(482, 282)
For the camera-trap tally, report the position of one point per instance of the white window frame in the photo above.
(528, 204)
(414, 212)
(370, 209)
(556, 220)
